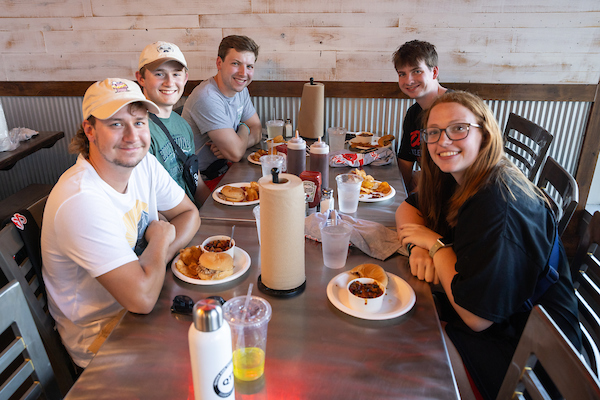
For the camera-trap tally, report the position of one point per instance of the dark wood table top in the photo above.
(43, 139)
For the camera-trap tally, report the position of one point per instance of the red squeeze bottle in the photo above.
(312, 187)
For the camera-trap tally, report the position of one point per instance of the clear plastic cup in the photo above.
(335, 237)
(337, 138)
(348, 192)
(256, 212)
(274, 128)
(248, 335)
(269, 161)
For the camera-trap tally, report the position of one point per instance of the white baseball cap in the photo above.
(104, 98)
(161, 51)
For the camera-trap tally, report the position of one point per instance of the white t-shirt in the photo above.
(90, 229)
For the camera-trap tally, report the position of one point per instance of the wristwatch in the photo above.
(441, 243)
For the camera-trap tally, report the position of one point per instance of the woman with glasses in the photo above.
(482, 230)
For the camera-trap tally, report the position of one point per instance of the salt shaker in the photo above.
(288, 128)
(326, 200)
(211, 352)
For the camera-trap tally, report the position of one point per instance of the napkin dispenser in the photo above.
(311, 122)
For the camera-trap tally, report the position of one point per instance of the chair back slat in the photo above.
(585, 271)
(542, 344)
(526, 143)
(562, 191)
(11, 244)
(24, 363)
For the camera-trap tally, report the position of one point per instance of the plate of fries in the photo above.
(371, 190)
(237, 194)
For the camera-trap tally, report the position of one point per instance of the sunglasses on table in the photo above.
(183, 304)
(454, 132)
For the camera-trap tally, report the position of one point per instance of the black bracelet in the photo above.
(409, 247)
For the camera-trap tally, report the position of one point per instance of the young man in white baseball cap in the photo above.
(104, 249)
(162, 75)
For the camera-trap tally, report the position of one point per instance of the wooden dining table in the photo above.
(43, 139)
(314, 349)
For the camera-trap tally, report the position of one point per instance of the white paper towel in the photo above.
(282, 214)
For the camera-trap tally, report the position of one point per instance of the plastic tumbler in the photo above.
(337, 138)
(348, 192)
(335, 237)
(269, 161)
(274, 128)
(248, 335)
(256, 212)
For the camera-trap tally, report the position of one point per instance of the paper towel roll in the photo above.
(312, 109)
(282, 232)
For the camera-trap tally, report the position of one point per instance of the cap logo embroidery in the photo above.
(19, 220)
(165, 48)
(120, 87)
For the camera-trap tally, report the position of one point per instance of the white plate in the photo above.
(366, 198)
(241, 264)
(233, 203)
(399, 299)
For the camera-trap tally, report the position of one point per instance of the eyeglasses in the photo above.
(454, 132)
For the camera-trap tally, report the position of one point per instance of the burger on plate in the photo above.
(215, 266)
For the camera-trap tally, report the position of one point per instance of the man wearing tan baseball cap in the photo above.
(104, 248)
(162, 75)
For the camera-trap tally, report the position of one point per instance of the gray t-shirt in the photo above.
(207, 109)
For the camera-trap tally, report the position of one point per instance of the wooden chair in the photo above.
(25, 370)
(15, 264)
(526, 143)
(563, 193)
(542, 343)
(585, 270)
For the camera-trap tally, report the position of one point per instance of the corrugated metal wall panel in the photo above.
(565, 120)
(41, 114)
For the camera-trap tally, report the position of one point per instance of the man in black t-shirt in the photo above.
(416, 63)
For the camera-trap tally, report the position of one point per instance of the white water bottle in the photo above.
(211, 352)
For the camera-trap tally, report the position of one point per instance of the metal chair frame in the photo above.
(585, 269)
(520, 145)
(16, 265)
(543, 342)
(563, 194)
(23, 359)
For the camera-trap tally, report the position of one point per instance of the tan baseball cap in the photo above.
(161, 51)
(106, 97)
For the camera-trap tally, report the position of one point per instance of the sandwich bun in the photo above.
(215, 266)
(216, 261)
(233, 193)
(372, 271)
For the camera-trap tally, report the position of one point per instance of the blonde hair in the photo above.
(440, 195)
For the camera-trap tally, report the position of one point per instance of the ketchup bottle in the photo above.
(296, 155)
(319, 160)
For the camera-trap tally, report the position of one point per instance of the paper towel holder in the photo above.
(280, 293)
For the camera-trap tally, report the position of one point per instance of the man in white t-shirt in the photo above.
(220, 112)
(104, 248)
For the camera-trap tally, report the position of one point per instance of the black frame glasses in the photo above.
(454, 132)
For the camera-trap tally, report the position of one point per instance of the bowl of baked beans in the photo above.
(219, 244)
(365, 294)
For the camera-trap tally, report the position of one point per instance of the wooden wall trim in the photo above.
(488, 91)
